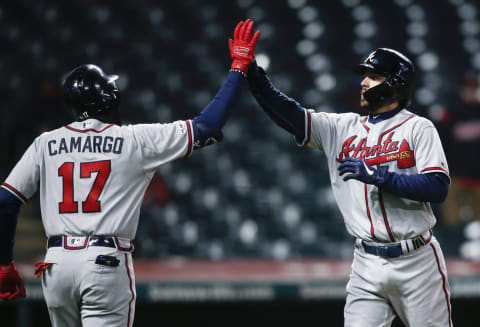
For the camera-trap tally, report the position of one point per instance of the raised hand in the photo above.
(242, 47)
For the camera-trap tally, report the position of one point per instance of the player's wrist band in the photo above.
(239, 71)
(4, 267)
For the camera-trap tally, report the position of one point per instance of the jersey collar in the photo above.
(383, 116)
(89, 125)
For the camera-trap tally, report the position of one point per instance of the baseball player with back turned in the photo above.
(385, 169)
(92, 175)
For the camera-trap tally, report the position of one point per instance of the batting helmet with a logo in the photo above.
(400, 74)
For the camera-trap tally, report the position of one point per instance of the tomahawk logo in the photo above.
(385, 151)
(371, 59)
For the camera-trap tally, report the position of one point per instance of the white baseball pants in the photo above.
(412, 286)
(80, 292)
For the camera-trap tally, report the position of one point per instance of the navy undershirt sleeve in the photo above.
(431, 187)
(9, 208)
(283, 110)
(208, 124)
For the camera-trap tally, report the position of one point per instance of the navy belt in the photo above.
(388, 251)
(85, 241)
(395, 250)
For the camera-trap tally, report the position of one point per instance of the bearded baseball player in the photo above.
(386, 167)
(92, 175)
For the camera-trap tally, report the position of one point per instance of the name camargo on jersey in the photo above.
(95, 144)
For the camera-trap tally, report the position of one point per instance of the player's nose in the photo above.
(365, 82)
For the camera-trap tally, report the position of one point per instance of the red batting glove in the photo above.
(242, 47)
(11, 284)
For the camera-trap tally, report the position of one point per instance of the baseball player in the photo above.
(92, 175)
(385, 169)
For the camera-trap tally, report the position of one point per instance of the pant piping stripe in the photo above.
(447, 298)
(131, 289)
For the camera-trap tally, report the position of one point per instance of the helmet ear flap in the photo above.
(392, 89)
(111, 99)
(398, 87)
(379, 94)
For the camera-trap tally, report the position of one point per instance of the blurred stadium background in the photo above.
(248, 230)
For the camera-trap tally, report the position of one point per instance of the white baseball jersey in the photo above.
(413, 286)
(406, 143)
(93, 175)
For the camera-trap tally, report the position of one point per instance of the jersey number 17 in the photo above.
(91, 204)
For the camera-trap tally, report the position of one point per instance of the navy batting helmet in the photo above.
(89, 92)
(400, 77)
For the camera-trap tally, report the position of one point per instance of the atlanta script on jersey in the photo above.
(406, 143)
